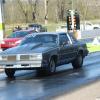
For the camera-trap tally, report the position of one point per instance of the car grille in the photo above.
(11, 58)
(9, 43)
(24, 57)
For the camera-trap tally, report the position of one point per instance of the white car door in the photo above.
(88, 26)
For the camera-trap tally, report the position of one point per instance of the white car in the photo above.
(88, 26)
(62, 28)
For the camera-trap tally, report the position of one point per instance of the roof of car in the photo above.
(24, 30)
(34, 24)
(41, 33)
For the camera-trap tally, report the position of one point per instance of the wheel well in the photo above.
(55, 57)
(81, 51)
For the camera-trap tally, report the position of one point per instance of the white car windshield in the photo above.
(63, 26)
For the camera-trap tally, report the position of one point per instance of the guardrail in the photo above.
(89, 33)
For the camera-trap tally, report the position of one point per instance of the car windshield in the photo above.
(34, 25)
(18, 34)
(45, 39)
(63, 26)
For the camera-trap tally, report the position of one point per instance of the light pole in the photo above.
(2, 16)
(72, 16)
(72, 4)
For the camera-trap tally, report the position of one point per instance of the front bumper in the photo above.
(22, 64)
(4, 46)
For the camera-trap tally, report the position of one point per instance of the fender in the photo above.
(79, 49)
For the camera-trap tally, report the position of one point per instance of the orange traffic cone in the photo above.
(76, 35)
(5, 36)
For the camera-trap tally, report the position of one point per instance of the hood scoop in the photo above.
(32, 46)
(24, 48)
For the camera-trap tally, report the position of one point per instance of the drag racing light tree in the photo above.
(76, 22)
(2, 16)
(69, 23)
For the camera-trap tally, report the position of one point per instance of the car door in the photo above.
(66, 50)
(74, 44)
(88, 26)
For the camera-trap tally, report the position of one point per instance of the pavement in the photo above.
(89, 91)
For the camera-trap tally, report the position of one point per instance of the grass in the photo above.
(8, 32)
(92, 48)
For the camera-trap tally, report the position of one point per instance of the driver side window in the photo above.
(63, 38)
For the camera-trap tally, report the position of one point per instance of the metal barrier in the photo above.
(89, 33)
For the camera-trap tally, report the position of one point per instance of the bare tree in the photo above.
(86, 9)
(46, 10)
(23, 9)
(33, 5)
(61, 9)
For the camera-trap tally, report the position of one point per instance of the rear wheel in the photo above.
(10, 72)
(96, 28)
(50, 70)
(78, 62)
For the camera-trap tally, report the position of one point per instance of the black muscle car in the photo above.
(44, 51)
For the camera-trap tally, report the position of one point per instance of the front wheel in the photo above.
(50, 70)
(10, 72)
(78, 62)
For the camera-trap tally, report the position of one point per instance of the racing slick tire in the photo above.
(10, 72)
(78, 62)
(50, 70)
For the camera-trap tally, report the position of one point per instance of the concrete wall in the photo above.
(89, 33)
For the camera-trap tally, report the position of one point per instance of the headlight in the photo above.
(18, 41)
(2, 42)
(37, 56)
(3, 57)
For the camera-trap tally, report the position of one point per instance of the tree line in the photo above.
(33, 11)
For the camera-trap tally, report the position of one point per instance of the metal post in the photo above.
(2, 16)
(73, 15)
(72, 4)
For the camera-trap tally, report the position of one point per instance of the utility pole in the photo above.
(72, 4)
(72, 14)
(2, 16)
(46, 11)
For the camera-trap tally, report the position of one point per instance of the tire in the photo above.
(95, 28)
(10, 72)
(50, 70)
(78, 62)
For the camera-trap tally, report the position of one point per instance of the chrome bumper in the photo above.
(22, 64)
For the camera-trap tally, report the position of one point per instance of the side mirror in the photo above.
(64, 43)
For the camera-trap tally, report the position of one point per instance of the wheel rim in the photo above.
(80, 59)
(52, 66)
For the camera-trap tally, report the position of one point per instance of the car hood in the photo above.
(27, 48)
(12, 39)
